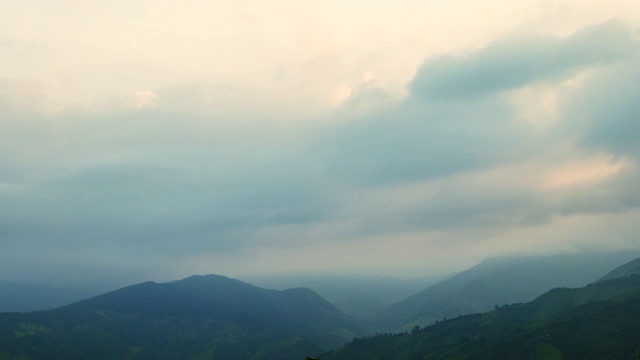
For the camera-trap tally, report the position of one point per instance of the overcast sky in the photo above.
(159, 139)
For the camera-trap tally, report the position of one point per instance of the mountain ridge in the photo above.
(493, 282)
(199, 316)
(630, 268)
(598, 321)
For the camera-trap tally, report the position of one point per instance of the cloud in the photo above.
(459, 166)
(512, 63)
(484, 165)
(22, 95)
(172, 187)
(607, 110)
(416, 140)
(412, 141)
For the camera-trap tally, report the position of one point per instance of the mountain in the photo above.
(199, 317)
(599, 321)
(299, 310)
(494, 282)
(628, 269)
(359, 296)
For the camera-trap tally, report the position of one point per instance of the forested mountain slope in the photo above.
(195, 318)
(494, 282)
(600, 321)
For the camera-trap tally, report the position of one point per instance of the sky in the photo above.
(152, 140)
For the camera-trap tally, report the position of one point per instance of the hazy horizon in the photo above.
(153, 140)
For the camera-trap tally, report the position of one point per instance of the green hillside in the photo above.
(600, 321)
(201, 317)
(494, 282)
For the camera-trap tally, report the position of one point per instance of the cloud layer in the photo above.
(527, 143)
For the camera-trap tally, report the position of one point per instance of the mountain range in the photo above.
(598, 321)
(358, 296)
(494, 282)
(198, 317)
(216, 317)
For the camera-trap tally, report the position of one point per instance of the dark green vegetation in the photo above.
(494, 282)
(214, 317)
(599, 321)
(201, 317)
